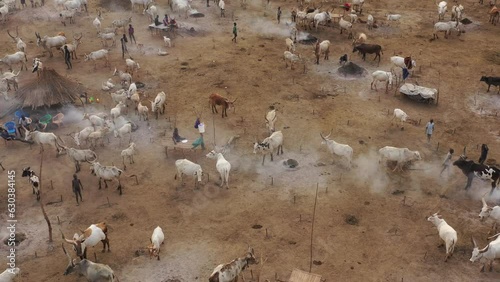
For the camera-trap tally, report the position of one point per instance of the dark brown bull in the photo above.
(370, 49)
(218, 100)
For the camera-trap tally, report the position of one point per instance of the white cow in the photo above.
(189, 168)
(43, 138)
(222, 165)
(399, 155)
(338, 149)
(400, 115)
(446, 233)
(9, 274)
(269, 144)
(156, 240)
(489, 253)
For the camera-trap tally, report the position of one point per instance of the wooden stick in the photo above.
(109, 204)
(312, 227)
(41, 202)
(58, 220)
(95, 257)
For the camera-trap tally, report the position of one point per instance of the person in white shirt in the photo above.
(447, 161)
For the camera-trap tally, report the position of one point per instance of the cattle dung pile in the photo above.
(309, 40)
(351, 69)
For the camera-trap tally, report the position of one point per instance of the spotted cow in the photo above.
(484, 172)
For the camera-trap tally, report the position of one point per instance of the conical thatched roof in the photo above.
(50, 89)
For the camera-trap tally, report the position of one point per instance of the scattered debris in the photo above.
(257, 226)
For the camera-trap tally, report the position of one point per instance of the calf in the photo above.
(491, 80)
(482, 171)
(217, 100)
(33, 179)
(187, 167)
(156, 240)
(446, 232)
(229, 272)
(370, 49)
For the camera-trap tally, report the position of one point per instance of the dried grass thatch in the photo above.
(50, 89)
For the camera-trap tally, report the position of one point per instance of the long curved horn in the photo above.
(329, 134)
(67, 240)
(234, 100)
(484, 202)
(10, 35)
(473, 242)
(66, 253)
(485, 249)
(17, 31)
(322, 136)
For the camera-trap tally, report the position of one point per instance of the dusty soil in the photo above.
(370, 222)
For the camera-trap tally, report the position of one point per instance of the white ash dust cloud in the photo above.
(268, 28)
(368, 171)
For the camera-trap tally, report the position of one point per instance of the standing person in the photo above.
(208, 5)
(67, 57)
(131, 34)
(429, 129)
(294, 15)
(23, 3)
(222, 5)
(235, 33)
(77, 184)
(165, 20)
(124, 41)
(279, 14)
(32, 3)
(447, 161)
(484, 153)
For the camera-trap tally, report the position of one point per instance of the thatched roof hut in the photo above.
(49, 90)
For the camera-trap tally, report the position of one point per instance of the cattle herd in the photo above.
(117, 121)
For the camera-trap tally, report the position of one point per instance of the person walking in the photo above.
(279, 14)
(77, 188)
(67, 57)
(131, 34)
(484, 153)
(429, 129)
(447, 162)
(235, 33)
(124, 41)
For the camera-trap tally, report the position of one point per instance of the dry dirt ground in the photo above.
(391, 239)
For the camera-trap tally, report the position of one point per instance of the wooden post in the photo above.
(109, 204)
(437, 147)
(41, 202)
(294, 199)
(266, 233)
(51, 185)
(61, 198)
(36, 254)
(208, 175)
(95, 257)
(347, 122)
(312, 227)
(58, 220)
(272, 181)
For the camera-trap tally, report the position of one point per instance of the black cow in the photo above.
(491, 80)
(370, 49)
(484, 172)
